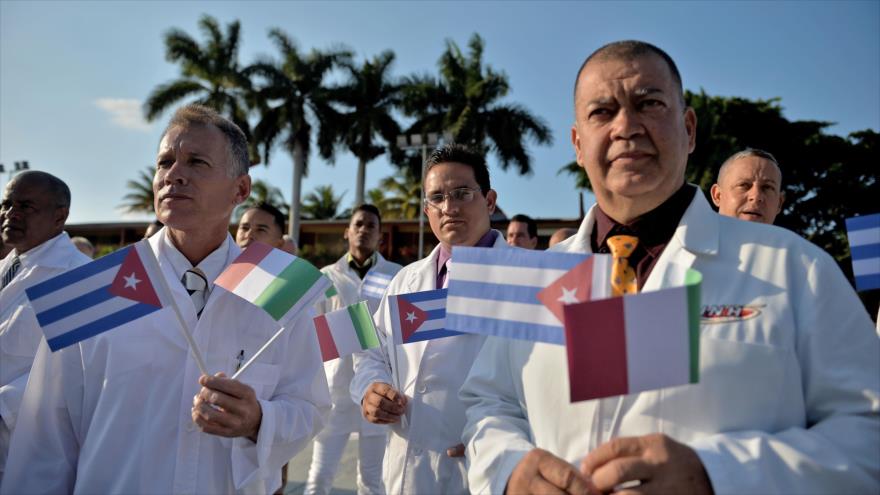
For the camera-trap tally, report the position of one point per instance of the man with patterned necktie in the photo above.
(144, 419)
(34, 208)
(789, 389)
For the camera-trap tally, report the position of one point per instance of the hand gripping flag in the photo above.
(98, 296)
(863, 233)
(496, 291)
(346, 331)
(274, 280)
(634, 343)
(419, 316)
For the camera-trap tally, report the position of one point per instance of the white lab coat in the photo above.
(19, 331)
(346, 415)
(430, 374)
(112, 413)
(787, 402)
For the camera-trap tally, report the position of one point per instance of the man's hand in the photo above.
(542, 472)
(382, 404)
(227, 408)
(659, 463)
(457, 451)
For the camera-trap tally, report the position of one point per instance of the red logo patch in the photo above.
(722, 313)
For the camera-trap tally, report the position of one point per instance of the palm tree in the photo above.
(465, 101)
(370, 96)
(140, 196)
(291, 102)
(572, 168)
(209, 72)
(322, 203)
(262, 192)
(398, 196)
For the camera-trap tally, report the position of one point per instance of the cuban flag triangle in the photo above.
(374, 284)
(496, 291)
(99, 296)
(638, 342)
(274, 280)
(419, 316)
(863, 233)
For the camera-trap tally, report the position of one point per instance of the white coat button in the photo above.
(417, 451)
(422, 388)
(191, 427)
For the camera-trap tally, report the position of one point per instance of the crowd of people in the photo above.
(788, 399)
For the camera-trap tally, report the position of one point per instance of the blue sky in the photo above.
(72, 74)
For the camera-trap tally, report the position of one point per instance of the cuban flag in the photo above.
(498, 292)
(374, 284)
(98, 296)
(419, 316)
(863, 233)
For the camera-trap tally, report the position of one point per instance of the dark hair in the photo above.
(236, 141)
(368, 208)
(630, 50)
(457, 153)
(531, 225)
(54, 186)
(276, 214)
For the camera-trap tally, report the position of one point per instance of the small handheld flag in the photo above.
(863, 233)
(98, 296)
(276, 281)
(374, 284)
(634, 343)
(496, 292)
(346, 331)
(419, 316)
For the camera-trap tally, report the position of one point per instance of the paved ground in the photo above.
(346, 478)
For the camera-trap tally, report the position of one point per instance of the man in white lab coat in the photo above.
(425, 455)
(127, 411)
(32, 214)
(360, 275)
(789, 376)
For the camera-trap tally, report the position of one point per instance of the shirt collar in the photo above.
(32, 256)
(488, 240)
(655, 227)
(369, 262)
(212, 265)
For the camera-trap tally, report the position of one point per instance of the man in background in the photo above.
(34, 208)
(522, 231)
(749, 187)
(263, 223)
(84, 246)
(561, 235)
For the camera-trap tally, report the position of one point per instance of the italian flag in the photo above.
(274, 280)
(346, 331)
(634, 343)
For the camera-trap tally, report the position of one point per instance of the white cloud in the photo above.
(125, 113)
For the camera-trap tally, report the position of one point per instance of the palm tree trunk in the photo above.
(361, 179)
(298, 165)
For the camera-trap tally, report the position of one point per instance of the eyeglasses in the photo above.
(460, 195)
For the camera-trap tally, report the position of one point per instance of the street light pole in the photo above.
(413, 142)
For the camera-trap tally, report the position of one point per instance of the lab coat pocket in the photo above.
(262, 378)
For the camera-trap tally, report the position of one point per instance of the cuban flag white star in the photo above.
(131, 281)
(569, 296)
(411, 317)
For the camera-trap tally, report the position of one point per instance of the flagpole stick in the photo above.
(258, 353)
(184, 328)
(394, 367)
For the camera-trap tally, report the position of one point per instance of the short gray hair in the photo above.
(745, 154)
(236, 141)
(56, 187)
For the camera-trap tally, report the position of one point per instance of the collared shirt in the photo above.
(211, 266)
(654, 230)
(361, 268)
(26, 258)
(488, 240)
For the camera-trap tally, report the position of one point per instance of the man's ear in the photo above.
(690, 125)
(576, 143)
(61, 214)
(715, 192)
(781, 201)
(491, 197)
(242, 189)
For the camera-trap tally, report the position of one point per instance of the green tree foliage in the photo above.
(321, 204)
(262, 192)
(210, 73)
(370, 96)
(398, 196)
(293, 102)
(466, 101)
(826, 178)
(139, 198)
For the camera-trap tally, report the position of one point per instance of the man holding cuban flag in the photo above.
(362, 274)
(128, 410)
(424, 452)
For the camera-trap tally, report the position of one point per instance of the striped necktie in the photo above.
(11, 272)
(196, 284)
(623, 276)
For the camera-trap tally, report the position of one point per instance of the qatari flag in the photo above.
(637, 342)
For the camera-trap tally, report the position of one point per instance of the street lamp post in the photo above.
(18, 167)
(414, 142)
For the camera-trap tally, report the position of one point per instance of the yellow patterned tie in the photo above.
(623, 276)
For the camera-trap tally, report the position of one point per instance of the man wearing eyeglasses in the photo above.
(424, 453)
